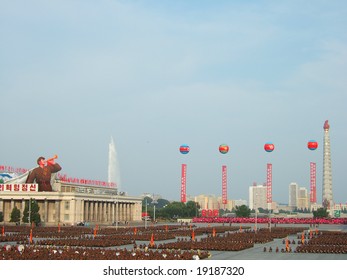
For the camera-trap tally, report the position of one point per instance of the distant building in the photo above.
(298, 197)
(211, 202)
(207, 201)
(71, 203)
(284, 207)
(303, 199)
(239, 202)
(258, 197)
(293, 195)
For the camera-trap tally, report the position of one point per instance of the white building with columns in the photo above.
(70, 203)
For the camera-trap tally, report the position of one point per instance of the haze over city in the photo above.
(158, 74)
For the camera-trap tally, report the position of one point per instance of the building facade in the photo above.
(303, 199)
(293, 195)
(258, 197)
(72, 203)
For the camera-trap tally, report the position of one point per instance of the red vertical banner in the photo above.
(224, 185)
(183, 183)
(313, 195)
(269, 184)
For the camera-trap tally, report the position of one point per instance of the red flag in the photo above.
(193, 235)
(135, 231)
(151, 243)
(214, 232)
(287, 245)
(3, 231)
(31, 236)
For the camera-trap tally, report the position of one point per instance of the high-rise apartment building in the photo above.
(258, 197)
(298, 197)
(303, 199)
(293, 195)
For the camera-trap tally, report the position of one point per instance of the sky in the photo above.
(154, 75)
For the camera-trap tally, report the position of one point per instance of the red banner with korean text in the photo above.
(313, 195)
(224, 185)
(269, 184)
(183, 183)
(19, 188)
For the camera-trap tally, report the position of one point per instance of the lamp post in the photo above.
(154, 202)
(146, 214)
(116, 202)
(256, 213)
(29, 212)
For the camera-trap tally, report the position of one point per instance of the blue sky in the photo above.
(157, 74)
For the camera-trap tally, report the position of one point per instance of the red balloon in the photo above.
(223, 149)
(269, 147)
(312, 145)
(184, 149)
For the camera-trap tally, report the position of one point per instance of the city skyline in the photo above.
(158, 74)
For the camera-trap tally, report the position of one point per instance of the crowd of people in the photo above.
(273, 220)
(325, 242)
(27, 252)
(230, 240)
(159, 242)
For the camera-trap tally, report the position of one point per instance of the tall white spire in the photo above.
(327, 198)
(113, 166)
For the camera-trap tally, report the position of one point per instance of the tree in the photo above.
(242, 211)
(321, 213)
(262, 210)
(191, 209)
(177, 209)
(34, 215)
(15, 215)
(162, 203)
(167, 210)
(325, 204)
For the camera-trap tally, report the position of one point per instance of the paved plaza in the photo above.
(260, 251)
(257, 252)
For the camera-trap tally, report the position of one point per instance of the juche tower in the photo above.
(327, 199)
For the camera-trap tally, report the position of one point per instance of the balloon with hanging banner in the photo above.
(223, 148)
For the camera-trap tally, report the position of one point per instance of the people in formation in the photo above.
(172, 242)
